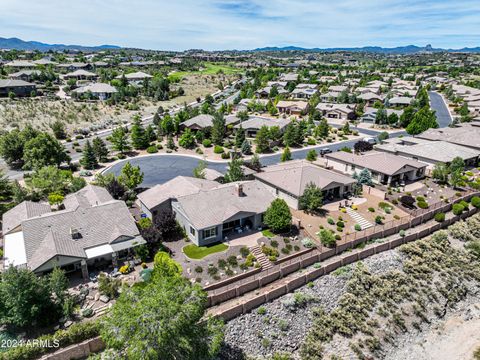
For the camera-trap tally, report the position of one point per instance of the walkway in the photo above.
(359, 219)
(261, 258)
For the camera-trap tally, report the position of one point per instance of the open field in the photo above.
(208, 69)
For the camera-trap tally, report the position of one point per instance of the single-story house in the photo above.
(210, 216)
(25, 75)
(265, 92)
(93, 229)
(254, 123)
(243, 105)
(370, 98)
(336, 111)
(303, 93)
(20, 64)
(329, 97)
(204, 121)
(370, 114)
(429, 152)
(135, 77)
(292, 107)
(291, 77)
(17, 87)
(288, 181)
(158, 198)
(400, 101)
(74, 66)
(101, 91)
(465, 134)
(338, 88)
(385, 168)
(80, 75)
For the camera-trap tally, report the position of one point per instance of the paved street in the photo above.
(443, 115)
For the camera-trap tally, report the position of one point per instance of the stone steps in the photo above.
(359, 219)
(261, 258)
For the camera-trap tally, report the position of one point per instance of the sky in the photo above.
(249, 24)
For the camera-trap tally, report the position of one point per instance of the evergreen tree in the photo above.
(89, 160)
(407, 116)
(278, 216)
(187, 140)
(311, 155)
(119, 140)
(423, 120)
(100, 149)
(199, 171)
(286, 155)
(239, 137)
(322, 129)
(255, 163)
(262, 140)
(235, 171)
(218, 128)
(138, 135)
(311, 199)
(381, 116)
(246, 147)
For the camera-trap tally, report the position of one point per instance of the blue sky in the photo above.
(234, 24)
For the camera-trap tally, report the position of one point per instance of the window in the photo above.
(209, 233)
(192, 231)
(231, 225)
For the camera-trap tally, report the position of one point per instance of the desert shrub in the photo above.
(244, 251)
(232, 261)
(461, 231)
(371, 209)
(457, 209)
(152, 149)
(340, 224)
(422, 205)
(464, 204)
(198, 269)
(475, 201)
(440, 217)
(285, 251)
(261, 310)
(207, 143)
(378, 219)
(218, 149)
(212, 270)
(269, 251)
(401, 233)
(222, 264)
(358, 227)
(225, 156)
(331, 221)
(274, 243)
(420, 199)
(308, 243)
(327, 238)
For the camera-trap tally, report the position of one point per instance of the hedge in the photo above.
(75, 334)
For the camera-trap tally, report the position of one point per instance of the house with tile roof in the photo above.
(90, 231)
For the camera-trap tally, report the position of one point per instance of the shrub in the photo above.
(327, 238)
(395, 202)
(422, 205)
(420, 199)
(371, 209)
(88, 312)
(232, 261)
(340, 224)
(396, 217)
(274, 243)
(457, 209)
(338, 237)
(285, 251)
(222, 264)
(212, 270)
(152, 149)
(378, 219)
(198, 269)
(464, 204)
(358, 227)
(261, 310)
(331, 221)
(225, 156)
(458, 194)
(244, 251)
(343, 210)
(475, 201)
(249, 260)
(407, 200)
(339, 229)
(218, 149)
(308, 243)
(207, 143)
(401, 233)
(269, 251)
(439, 217)
(354, 207)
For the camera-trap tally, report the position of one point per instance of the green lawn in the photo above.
(267, 233)
(198, 252)
(208, 69)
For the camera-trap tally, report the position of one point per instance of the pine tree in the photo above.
(100, 149)
(311, 155)
(218, 129)
(119, 140)
(246, 147)
(239, 136)
(262, 140)
(235, 171)
(138, 135)
(286, 155)
(89, 160)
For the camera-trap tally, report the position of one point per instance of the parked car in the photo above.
(324, 151)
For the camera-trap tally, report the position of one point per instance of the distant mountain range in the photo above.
(15, 43)
(410, 49)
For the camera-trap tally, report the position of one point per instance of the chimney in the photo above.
(240, 190)
(74, 233)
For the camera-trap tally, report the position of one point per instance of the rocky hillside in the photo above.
(370, 310)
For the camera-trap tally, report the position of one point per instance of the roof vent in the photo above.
(75, 234)
(239, 188)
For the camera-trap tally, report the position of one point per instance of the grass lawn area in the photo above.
(198, 252)
(208, 69)
(267, 233)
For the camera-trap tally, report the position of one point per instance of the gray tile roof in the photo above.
(381, 162)
(294, 176)
(212, 207)
(97, 88)
(177, 187)
(256, 122)
(14, 83)
(25, 210)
